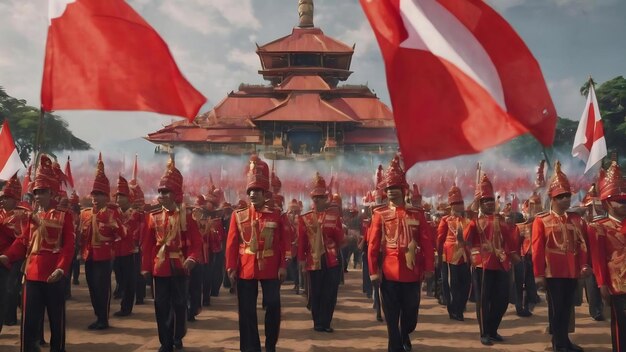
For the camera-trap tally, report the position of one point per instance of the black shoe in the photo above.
(329, 329)
(206, 303)
(598, 317)
(139, 302)
(121, 313)
(524, 313)
(98, 326)
(497, 337)
(406, 345)
(485, 340)
(270, 349)
(75, 283)
(319, 328)
(178, 344)
(165, 349)
(574, 348)
(191, 318)
(379, 317)
(11, 322)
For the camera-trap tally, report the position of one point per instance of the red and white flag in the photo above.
(10, 161)
(102, 55)
(589, 143)
(459, 77)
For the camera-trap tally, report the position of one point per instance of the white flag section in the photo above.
(589, 143)
(10, 161)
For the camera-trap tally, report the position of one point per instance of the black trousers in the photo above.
(194, 294)
(98, 274)
(75, 269)
(207, 281)
(39, 297)
(458, 278)
(561, 293)
(525, 288)
(170, 308)
(140, 287)
(401, 302)
(492, 298)
(618, 322)
(323, 294)
(247, 293)
(367, 283)
(127, 281)
(596, 306)
(4, 278)
(217, 273)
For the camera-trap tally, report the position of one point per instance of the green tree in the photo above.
(23, 121)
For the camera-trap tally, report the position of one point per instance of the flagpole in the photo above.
(39, 136)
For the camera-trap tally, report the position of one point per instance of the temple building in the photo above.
(302, 114)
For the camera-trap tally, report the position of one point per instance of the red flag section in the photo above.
(10, 161)
(68, 173)
(460, 79)
(102, 55)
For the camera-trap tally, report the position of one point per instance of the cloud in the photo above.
(566, 97)
(211, 16)
(248, 58)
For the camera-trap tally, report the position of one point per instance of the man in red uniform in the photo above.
(455, 263)
(47, 245)
(138, 204)
(526, 291)
(126, 248)
(401, 232)
(171, 249)
(607, 239)
(12, 219)
(492, 250)
(255, 252)
(101, 227)
(320, 236)
(559, 252)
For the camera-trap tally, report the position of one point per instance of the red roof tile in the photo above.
(309, 83)
(306, 108)
(306, 40)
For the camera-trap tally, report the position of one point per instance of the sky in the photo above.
(213, 42)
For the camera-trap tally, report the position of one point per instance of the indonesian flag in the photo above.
(459, 77)
(589, 143)
(10, 161)
(102, 55)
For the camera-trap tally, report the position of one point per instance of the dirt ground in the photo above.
(356, 328)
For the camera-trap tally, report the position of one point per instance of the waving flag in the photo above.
(102, 55)
(10, 161)
(459, 77)
(68, 173)
(589, 142)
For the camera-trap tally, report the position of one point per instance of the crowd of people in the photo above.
(187, 252)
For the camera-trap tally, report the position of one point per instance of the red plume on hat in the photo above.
(318, 187)
(122, 187)
(540, 180)
(559, 184)
(455, 195)
(613, 184)
(394, 176)
(275, 181)
(379, 177)
(45, 177)
(136, 194)
(172, 180)
(12, 189)
(60, 176)
(258, 174)
(101, 182)
(485, 188)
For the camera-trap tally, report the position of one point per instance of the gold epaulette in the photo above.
(242, 215)
(543, 214)
(155, 211)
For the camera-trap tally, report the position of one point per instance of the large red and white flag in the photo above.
(589, 143)
(10, 161)
(102, 55)
(459, 77)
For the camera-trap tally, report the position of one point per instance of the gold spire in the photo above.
(305, 12)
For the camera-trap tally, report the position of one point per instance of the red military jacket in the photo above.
(11, 223)
(447, 242)
(319, 233)
(256, 246)
(290, 234)
(133, 222)
(607, 242)
(401, 233)
(491, 242)
(523, 234)
(559, 245)
(171, 238)
(47, 243)
(292, 224)
(212, 231)
(100, 230)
